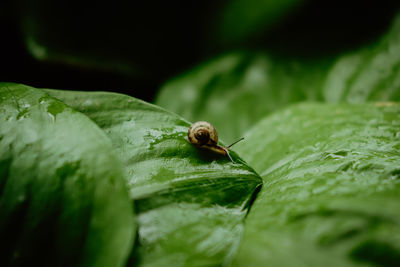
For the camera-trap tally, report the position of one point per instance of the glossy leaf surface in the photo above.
(331, 193)
(190, 203)
(63, 199)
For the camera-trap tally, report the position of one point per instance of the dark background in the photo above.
(157, 40)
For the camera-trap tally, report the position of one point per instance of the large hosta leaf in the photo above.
(190, 203)
(331, 193)
(236, 90)
(63, 199)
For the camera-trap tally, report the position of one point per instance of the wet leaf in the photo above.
(190, 203)
(63, 199)
(331, 187)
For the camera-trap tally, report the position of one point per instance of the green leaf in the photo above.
(236, 90)
(331, 187)
(63, 199)
(190, 203)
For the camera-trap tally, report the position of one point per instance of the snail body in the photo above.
(203, 135)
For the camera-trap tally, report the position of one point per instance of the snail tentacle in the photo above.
(237, 141)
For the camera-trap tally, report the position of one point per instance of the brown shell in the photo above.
(204, 135)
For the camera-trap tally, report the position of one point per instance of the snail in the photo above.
(203, 135)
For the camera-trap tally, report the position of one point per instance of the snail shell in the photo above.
(203, 135)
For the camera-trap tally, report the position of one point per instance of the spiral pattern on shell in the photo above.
(202, 133)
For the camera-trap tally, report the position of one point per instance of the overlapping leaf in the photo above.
(236, 90)
(331, 193)
(63, 198)
(190, 203)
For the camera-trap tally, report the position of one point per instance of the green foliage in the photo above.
(63, 199)
(104, 179)
(59, 171)
(190, 204)
(236, 90)
(331, 187)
